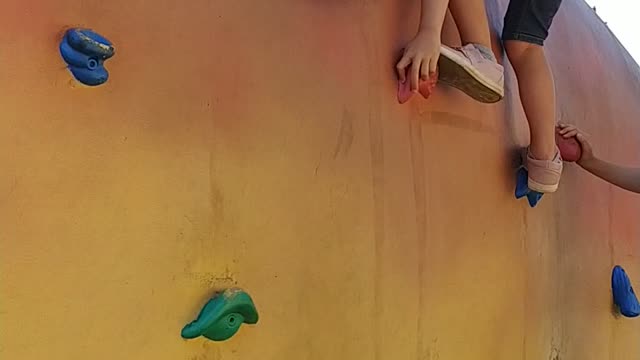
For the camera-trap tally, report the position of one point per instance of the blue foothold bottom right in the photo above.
(623, 295)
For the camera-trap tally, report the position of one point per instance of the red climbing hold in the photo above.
(570, 149)
(425, 88)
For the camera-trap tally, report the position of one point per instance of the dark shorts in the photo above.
(529, 20)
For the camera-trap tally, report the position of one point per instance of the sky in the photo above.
(622, 18)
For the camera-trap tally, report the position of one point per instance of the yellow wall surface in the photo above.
(259, 144)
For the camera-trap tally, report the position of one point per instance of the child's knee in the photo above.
(527, 23)
(516, 46)
(516, 49)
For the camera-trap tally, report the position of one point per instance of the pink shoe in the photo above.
(468, 70)
(544, 175)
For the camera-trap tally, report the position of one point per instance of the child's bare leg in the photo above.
(471, 19)
(473, 69)
(537, 95)
(526, 27)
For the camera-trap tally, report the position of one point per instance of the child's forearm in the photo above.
(624, 177)
(432, 15)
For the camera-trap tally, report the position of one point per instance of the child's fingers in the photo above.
(415, 74)
(569, 134)
(401, 67)
(424, 71)
(433, 65)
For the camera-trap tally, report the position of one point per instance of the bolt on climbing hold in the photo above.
(85, 52)
(623, 295)
(221, 317)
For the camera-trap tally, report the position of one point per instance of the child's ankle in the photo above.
(486, 52)
(537, 154)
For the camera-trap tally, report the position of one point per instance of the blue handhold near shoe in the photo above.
(522, 178)
(85, 52)
(623, 295)
(522, 188)
(534, 197)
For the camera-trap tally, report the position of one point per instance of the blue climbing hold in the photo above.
(85, 52)
(623, 294)
(522, 188)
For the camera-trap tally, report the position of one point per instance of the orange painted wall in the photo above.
(259, 144)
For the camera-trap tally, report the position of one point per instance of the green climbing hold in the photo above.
(222, 316)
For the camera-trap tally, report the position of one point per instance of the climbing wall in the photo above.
(259, 144)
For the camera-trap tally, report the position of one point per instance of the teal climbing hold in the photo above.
(222, 316)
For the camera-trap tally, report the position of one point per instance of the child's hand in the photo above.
(422, 53)
(569, 131)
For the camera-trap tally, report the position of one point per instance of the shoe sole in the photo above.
(454, 71)
(541, 188)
